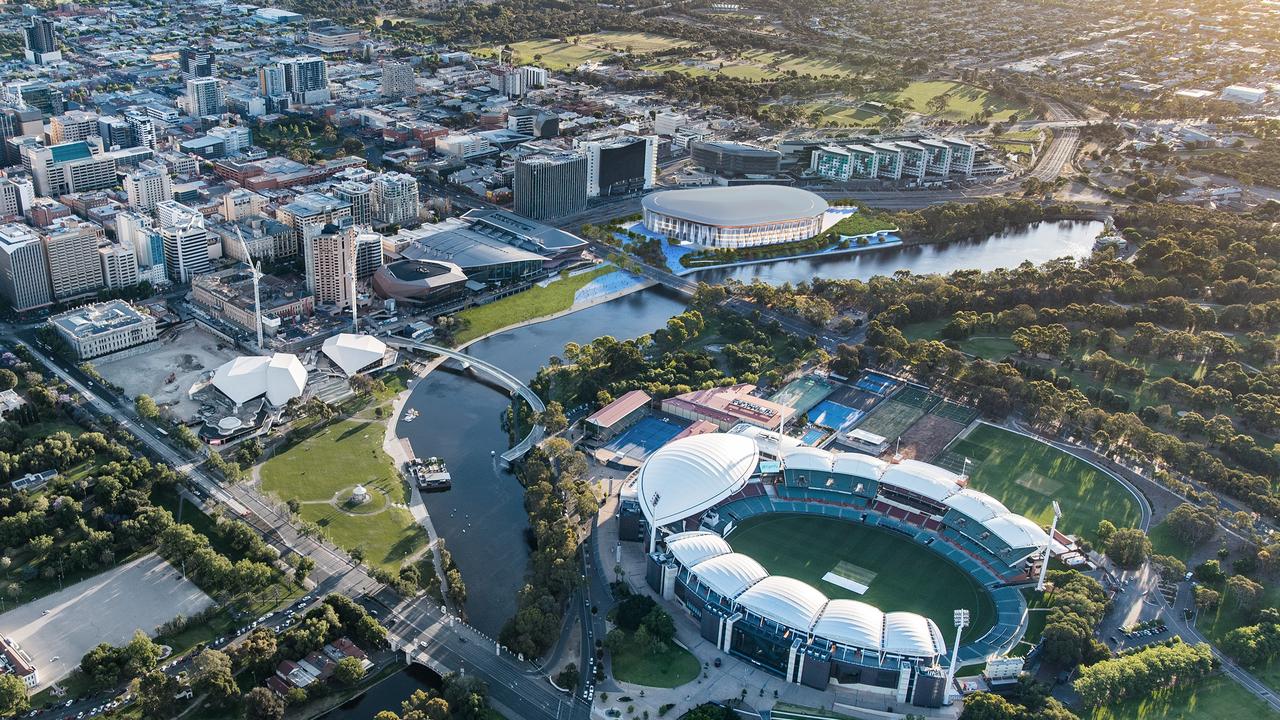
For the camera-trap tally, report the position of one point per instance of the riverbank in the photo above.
(890, 241)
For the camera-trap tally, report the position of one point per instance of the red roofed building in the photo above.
(617, 416)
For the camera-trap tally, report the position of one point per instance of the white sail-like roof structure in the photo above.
(281, 377)
(729, 575)
(353, 353)
(689, 475)
(691, 548)
(786, 601)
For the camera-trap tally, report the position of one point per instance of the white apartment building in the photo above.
(72, 250)
(148, 186)
(241, 203)
(119, 265)
(186, 241)
(24, 270)
(395, 198)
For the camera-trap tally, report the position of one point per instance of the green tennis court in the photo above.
(890, 419)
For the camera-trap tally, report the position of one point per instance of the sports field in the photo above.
(1027, 475)
(803, 393)
(891, 418)
(899, 574)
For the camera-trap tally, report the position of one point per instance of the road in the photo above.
(525, 692)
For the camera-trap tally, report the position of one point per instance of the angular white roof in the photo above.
(353, 353)
(1017, 531)
(923, 479)
(784, 600)
(689, 475)
(851, 622)
(979, 506)
(691, 548)
(911, 634)
(281, 377)
(729, 574)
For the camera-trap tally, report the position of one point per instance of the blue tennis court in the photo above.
(648, 434)
(813, 436)
(833, 415)
(876, 383)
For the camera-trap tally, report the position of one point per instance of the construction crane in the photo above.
(255, 272)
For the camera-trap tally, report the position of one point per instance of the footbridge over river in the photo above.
(495, 373)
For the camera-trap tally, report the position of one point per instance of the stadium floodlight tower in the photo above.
(255, 272)
(1048, 549)
(961, 618)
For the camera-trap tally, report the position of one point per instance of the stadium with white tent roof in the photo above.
(694, 492)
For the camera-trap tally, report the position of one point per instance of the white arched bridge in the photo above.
(502, 377)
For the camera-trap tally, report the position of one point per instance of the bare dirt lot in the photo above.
(925, 439)
(167, 370)
(58, 629)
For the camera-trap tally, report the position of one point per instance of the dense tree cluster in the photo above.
(105, 665)
(461, 697)
(1028, 700)
(1142, 673)
(1076, 605)
(1255, 644)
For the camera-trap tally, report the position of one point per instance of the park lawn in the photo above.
(1165, 542)
(987, 347)
(1027, 475)
(908, 577)
(329, 464)
(1216, 698)
(594, 47)
(671, 668)
(536, 302)
(963, 101)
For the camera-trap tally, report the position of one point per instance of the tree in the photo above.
(13, 696)
(8, 379)
(156, 691)
(1193, 525)
(146, 407)
(569, 677)
(553, 418)
(211, 673)
(263, 704)
(1207, 598)
(304, 568)
(1106, 529)
(1128, 548)
(1169, 567)
(348, 672)
(1243, 592)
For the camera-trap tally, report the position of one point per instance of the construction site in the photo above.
(180, 358)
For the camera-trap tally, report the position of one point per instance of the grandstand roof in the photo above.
(691, 548)
(1017, 531)
(923, 479)
(979, 506)
(729, 575)
(851, 622)
(859, 465)
(689, 475)
(353, 353)
(769, 442)
(280, 377)
(784, 600)
(911, 634)
(808, 458)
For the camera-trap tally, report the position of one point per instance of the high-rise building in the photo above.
(41, 41)
(204, 97)
(551, 184)
(68, 167)
(331, 261)
(148, 186)
(195, 62)
(307, 215)
(395, 198)
(115, 132)
(74, 267)
(360, 196)
(139, 232)
(16, 196)
(398, 80)
(241, 203)
(119, 265)
(271, 80)
(621, 165)
(186, 241)
(306, 80)
(24, 269)
(35, 93)
(142, 128)
(235, 139)
(72, 125)
(368, 250)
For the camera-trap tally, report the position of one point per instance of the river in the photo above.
(482, 518)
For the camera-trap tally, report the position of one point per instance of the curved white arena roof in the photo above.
(808, 459)
(729, 575)
(353, 353)
(859, 465)
(1017, 531)
(923, 479)
(737, 205)
(911, 634)
(979, 506)
(281, 377)
(689, 475)
(691, 548)
(851, 622)
(784, 600)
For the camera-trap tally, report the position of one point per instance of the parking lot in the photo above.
(58, 629)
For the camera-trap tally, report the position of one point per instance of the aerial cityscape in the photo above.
(683, 359)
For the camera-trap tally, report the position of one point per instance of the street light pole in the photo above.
(961, 619)
(1048, 549)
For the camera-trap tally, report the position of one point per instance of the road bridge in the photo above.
(495, 373)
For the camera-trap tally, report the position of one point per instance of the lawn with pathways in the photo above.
(538, 301)
(320, 472)
(1028, 475)
(900, 575)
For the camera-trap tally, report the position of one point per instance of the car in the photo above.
(68, 703)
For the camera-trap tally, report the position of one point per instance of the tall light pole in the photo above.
(961, 618)
(1048, 549)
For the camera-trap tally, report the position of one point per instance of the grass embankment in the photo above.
(531, 304)
(670, 668)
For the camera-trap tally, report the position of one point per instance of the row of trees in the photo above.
(1142, 673)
